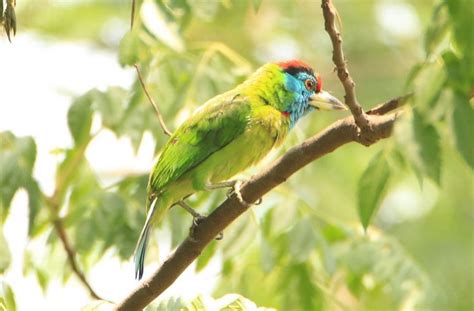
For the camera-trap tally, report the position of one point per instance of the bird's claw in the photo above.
(236, 190)
(196, 221)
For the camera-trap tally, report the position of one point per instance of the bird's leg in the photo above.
(190, 210)
(236, 185)
(197, 218)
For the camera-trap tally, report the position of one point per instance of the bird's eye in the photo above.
(309, 83)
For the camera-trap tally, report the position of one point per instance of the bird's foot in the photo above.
(235, 185)
(236, 190)
(197, 219)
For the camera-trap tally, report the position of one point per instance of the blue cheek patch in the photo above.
(299, 107)
(292, 84)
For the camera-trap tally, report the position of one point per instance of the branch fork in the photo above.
(366, 133)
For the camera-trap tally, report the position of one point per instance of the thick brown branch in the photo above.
(336, 135)
(330, 12)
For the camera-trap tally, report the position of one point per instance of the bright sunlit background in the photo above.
(64, 48)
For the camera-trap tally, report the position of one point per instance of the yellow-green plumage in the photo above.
(229, 133)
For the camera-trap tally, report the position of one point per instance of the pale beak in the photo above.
(325, 101)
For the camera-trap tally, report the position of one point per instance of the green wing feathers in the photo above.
(211, 128)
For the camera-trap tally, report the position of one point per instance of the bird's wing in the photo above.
(214, 126)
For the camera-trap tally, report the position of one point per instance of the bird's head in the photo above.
(298, 90)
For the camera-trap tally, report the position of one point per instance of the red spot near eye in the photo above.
(319, 85)
(285, 113)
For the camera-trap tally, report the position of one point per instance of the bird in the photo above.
(229, 133)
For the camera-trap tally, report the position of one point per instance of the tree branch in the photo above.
(333, 137)
(330, 12)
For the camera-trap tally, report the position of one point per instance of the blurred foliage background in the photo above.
(304, 247)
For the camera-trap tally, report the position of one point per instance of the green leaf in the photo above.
(5, 255)
(298, 278)
(429, 85)
(371, 186)
(17, 158)
(129, 49)
(462, 124)
(229, 302)
(303, 240)
(196, 305)
(457, 72)
(110, 105)
(43, 279)
(79, 118)
(420, 143)
(161, 28)
(172, 303)
(413, 74)
(428, 152)
(461, 16)
(34, 203)
(206, 256)
(7, 297)
(438, 29)
(256, 5)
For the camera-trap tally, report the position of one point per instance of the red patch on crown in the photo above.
(295, 63)
(285, 113)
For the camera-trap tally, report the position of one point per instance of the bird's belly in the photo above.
(246, 150)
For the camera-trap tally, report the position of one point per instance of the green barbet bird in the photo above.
(229, 133)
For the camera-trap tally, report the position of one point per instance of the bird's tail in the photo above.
(140, 249)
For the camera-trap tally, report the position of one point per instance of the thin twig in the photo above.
(53, 203)
(390, 105)
(333, 137)
(142, 82)
(132, 16)
(152, 102)
(330, 12)
(71, 256)
(58, 226)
